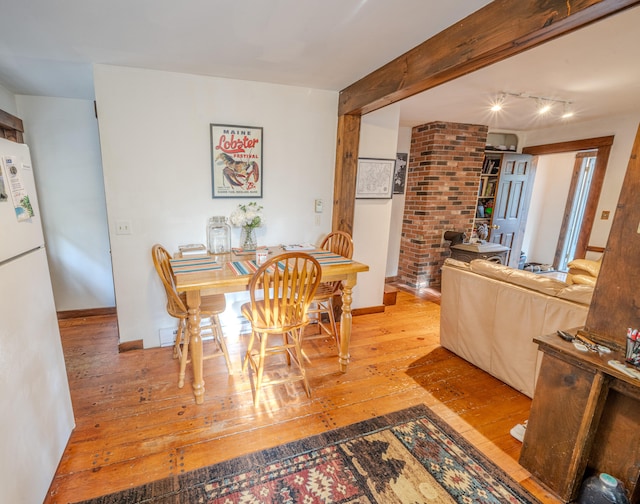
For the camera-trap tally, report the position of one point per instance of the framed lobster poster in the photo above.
(236, 161)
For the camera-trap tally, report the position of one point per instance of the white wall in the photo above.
(624, 129)
(372, 218)
(154, 132)
(63, 137)
(8, 101)
(548, 200)
(397, 210)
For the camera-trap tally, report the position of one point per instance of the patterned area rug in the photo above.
(410, 456)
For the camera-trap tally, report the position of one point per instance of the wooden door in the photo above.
(512, 204)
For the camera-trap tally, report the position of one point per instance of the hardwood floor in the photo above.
(133, 425)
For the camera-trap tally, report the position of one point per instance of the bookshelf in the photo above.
(489, 180)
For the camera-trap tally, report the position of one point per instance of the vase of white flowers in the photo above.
(247, 217)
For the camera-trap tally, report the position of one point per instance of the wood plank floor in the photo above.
(133, 425)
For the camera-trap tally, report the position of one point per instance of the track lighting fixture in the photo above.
(543, 105)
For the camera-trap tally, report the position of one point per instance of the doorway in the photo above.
(582, 197)
(577, 200)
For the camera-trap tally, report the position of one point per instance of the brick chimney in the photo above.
(443, 175)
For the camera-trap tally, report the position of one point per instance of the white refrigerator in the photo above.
(36, 418)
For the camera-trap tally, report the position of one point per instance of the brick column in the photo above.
(443, 175)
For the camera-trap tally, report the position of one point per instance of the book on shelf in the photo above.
(489, 189)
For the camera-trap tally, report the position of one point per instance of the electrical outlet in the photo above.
(123, 227)
(318, 206)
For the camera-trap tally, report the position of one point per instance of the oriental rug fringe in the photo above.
(410, 456)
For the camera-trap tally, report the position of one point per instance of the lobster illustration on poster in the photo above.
(236, 161)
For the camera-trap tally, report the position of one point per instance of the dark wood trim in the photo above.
(11, 127)
(591, 248)
(570, 146)
(10, 121)
(603, 147)
(93, 312)
(367, 310)
(344, 184)
(486, 36)
(127, 346)
(593, 199)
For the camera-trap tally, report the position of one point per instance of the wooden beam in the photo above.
(616, 301)
(501, 29)
(344, 185)
(11, 127)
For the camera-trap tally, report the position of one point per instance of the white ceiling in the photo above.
(48, 48)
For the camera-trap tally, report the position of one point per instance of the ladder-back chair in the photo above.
(281, 291)
(338, 242)
(210, 308)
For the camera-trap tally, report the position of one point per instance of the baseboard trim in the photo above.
(127, 346)
(367, 310)
(93, 312)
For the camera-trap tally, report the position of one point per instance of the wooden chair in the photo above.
(340, 243)
(210, 307)
(281, 291)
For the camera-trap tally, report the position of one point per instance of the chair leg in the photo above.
(298, 348)
(247, 356)
(184, 355)
(177, 351)
(219, 337)
(260, 372)
(332, 320)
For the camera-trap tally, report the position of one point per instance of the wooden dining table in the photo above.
(232, 273)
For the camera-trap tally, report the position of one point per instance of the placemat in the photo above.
(327, 257)
(194, 264)
(247, 267)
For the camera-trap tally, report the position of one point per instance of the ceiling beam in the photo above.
(501, 29)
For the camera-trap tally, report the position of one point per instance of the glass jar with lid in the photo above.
(218, 235)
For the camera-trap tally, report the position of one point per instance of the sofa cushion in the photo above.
(457, 264)
(577, 293)
(584, 280)
(528, 280)
(586, 265)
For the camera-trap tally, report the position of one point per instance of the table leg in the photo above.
(345, 321)
(195, 344)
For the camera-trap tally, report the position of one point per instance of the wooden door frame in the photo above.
(603, 147)
(486, 36)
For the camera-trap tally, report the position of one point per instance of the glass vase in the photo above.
(218, 236)
(248, 240)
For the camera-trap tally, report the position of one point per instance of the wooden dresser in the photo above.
(585, 418)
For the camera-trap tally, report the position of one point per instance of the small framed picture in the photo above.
(400, 172)
(236, 161)
(375, 178)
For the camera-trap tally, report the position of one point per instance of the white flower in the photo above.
(249, 215)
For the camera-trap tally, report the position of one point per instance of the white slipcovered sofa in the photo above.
(490, 314)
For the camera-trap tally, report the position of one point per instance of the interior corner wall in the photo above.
(8, 101)
(397, 211)
(62, 134)
(445, 163)
(372, 217)
(156, 156)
